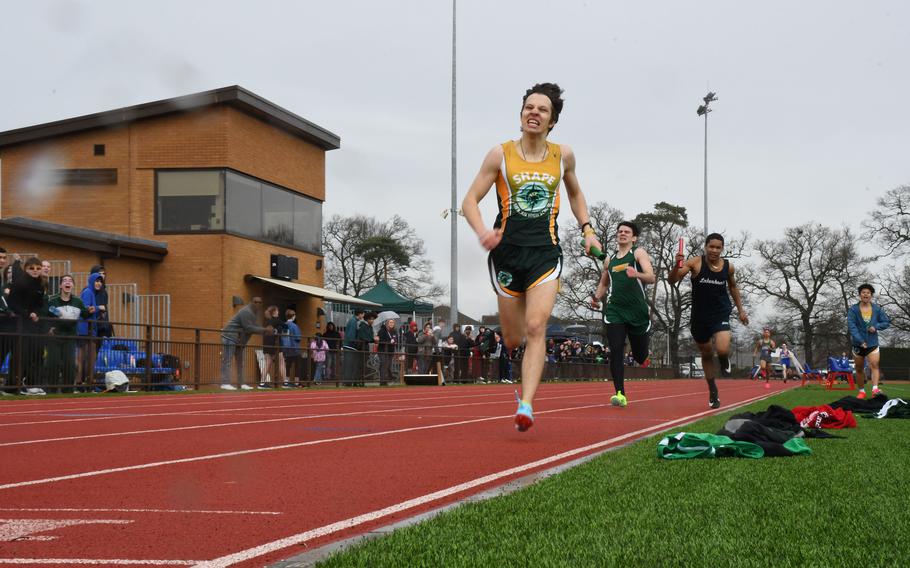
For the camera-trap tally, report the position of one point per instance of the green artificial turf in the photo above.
(847, 504)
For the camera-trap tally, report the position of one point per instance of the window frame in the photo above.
(226, 230)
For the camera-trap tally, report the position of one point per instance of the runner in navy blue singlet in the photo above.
(713, 284)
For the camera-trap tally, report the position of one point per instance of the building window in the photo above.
(277, 215)
(190, 201)
(244, 205)
(239, 205)
(99, 149)
(308, 224)
(86, 176)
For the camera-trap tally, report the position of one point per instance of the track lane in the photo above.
(318, 485)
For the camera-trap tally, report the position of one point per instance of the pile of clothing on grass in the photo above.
(777, 431)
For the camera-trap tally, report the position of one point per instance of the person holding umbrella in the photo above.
(388, 340)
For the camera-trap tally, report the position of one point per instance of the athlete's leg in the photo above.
(722, 340)
(512, 320)
(616, 341)
(860, 363)
(707, 359)
(873, 359)
(707, 362)
(539, 302)
(640, 345)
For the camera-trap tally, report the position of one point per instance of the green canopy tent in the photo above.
(384, 294)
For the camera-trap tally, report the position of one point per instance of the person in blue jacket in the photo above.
(88, 330)
(864, 320)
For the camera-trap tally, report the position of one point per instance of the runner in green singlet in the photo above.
(625, 309)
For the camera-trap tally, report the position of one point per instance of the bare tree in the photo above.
(894, 296)
(800, 273)
(889, 223)
(361, 251)
(581, 272)
(661, 229)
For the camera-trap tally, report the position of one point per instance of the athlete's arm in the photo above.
(482, 183)
(737, 299)
(577, 200)
(692, 265)
(647, 271)
(602, 286)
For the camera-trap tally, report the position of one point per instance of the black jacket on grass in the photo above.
(769, 429)
(873, 404)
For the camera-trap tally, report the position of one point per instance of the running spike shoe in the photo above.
(618, 399)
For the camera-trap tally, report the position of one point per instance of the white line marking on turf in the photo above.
(102, 561)
(303, 537)
(23, 529)
(177, 511)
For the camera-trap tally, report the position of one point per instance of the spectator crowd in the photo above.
(49, 332)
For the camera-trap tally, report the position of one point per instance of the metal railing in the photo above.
(199, 357)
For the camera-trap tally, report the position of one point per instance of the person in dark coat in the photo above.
(333, 339)
(387, 347)
(461, 356)
(26, 300)
(234, 337)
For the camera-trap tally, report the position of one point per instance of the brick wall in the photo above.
(27, 191)
(201, 272)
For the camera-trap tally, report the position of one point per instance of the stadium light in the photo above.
(703, 110)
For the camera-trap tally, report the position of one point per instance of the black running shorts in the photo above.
(863, 351)
(514, 269)
(703, 332)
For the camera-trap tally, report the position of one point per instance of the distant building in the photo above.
(191, 196)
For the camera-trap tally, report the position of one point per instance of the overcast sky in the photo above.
(811, 123)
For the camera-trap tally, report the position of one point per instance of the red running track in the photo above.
(246, 479)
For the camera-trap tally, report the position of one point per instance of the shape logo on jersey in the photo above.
(533, 200)
(504, 278)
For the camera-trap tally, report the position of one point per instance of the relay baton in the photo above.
(595, 252)
(680, 263)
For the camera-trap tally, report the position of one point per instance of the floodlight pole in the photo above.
(706, 172)
(703, 110)
(453, 301)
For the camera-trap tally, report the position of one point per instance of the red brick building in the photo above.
(190, 196)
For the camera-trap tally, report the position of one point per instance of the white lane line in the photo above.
(177, 511)
(246, 409)
(225, 398)
(297, 418)
(102, 561)
(303, 537)
(328, 399)
(266, 449)
(307, 443)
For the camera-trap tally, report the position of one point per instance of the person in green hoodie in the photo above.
(60, 365)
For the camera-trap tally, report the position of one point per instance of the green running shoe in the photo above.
(618, 399)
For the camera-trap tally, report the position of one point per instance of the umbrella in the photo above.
(382, 318)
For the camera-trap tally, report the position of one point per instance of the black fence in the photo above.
(195, 358)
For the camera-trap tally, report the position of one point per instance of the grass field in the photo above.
(847, 504)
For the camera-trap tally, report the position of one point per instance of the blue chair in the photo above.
(839, 368)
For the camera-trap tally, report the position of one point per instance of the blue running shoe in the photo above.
(524, 416)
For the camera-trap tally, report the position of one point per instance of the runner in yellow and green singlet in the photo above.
(525, 260)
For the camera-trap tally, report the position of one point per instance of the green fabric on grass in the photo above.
(689, 445)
